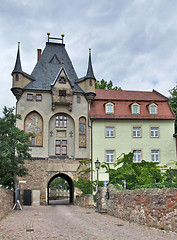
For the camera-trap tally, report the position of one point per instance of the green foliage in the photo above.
(84, 185)
(14, 148)
(134, 173)
(105, 85)
(59, 183)
(83, 169)
(167, 179)
(173, 103)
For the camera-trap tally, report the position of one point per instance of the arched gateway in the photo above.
(70, 183)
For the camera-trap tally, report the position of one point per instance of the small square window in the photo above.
(136, 156)
(109, 132)
(38, 97)
(154, 132)
(155, 155)
(110, 156)
(29, 97)
(136, 132)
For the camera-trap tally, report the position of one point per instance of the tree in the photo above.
(59, 183)
(105, 85)
(173, 103)
(135, 174)
(14, 148)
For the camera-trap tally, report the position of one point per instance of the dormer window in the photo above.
(135, 108)
(153, 108)
(109, 108)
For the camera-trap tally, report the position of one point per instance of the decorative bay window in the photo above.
(61, 121)
(61, 147)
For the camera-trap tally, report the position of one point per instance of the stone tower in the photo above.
(54, 105)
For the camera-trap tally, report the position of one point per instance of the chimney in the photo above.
(38, 54)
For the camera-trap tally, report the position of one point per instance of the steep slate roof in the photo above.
(122, 101)
(90, 73)
(18, 67)
(47, 68)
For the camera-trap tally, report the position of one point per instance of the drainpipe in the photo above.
(91, 143)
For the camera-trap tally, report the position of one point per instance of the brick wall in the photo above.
(152, 207)
(6, 201)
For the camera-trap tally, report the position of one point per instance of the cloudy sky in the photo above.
(134, 42)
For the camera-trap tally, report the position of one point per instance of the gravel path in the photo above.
(72, 222)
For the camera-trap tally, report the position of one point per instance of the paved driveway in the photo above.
(72, 222)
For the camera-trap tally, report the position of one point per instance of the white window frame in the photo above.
(154, 132)
(109, 108)
(135, 108)
(136, 132)
(137, 156)
(110, 156)
(155, 155)
(110, 133)
(154, 106)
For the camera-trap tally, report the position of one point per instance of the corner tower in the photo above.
(19, 78)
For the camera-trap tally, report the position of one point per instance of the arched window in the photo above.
(82, 132)
(34, 124)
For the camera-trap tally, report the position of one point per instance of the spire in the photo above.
(18, 68)
(90, 73)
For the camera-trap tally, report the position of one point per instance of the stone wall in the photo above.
(85, 201)
(6, 201)
(152, 207)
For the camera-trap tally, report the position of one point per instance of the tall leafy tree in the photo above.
(173, 102)
(14, 148)
(105, 85)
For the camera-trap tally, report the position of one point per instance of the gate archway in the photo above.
(70, 183)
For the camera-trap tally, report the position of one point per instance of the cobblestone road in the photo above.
(72, 222)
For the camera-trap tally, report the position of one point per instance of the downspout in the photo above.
(91, 143)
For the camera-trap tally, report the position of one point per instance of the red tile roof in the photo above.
(122, 101)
